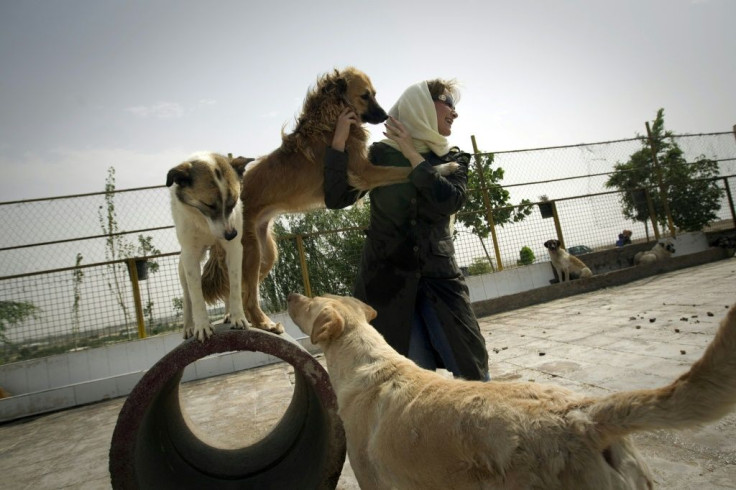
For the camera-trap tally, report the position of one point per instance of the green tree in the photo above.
(145, 249)
(13, 313)
(332, 257)
(693, 197)
(526, 256)
(474, 214)
(116, 247)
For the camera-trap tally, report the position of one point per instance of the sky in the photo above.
(139, 85)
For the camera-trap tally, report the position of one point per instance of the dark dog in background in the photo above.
(723, 241)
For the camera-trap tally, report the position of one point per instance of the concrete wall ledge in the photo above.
(78, 378)
(598, 281)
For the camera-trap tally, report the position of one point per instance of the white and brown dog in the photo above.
(414, 429)
(206, 207)
(661, 251)
(564, 263)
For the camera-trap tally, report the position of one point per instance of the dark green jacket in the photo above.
(409, 248)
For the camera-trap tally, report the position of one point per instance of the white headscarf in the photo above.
(416, 111)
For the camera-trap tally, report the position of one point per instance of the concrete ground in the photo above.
(640, 335)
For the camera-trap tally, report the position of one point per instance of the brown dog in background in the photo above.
(414, 429)
(291, 179)
(564, 263)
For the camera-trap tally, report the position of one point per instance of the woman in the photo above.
(408, 271)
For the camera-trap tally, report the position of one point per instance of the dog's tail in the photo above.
(703, 394)
(585, 272)
(215, 281)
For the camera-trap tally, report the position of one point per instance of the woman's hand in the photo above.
(396, 131)
(342, 128)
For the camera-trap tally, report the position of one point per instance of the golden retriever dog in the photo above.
(291, 179)
(661, 251)
(564, 263)
(412, 429)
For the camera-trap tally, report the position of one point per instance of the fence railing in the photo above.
(69, 280)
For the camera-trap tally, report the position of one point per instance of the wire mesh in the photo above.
(47, 234)
(89, 306)
(65, 285)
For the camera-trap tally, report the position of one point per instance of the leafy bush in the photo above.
(526, 256)
(479, 265)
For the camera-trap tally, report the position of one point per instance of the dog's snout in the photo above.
(375, 115)
(230, 234)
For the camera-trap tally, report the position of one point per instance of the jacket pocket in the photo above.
(443, 247)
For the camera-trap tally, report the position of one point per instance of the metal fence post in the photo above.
(558, 227)
(652, 213)
(730, 196)
(133, 270)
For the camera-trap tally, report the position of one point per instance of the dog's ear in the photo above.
(370, 313)
(179, 174)
(328, 325)
(239, 164)
(342, 85)
(337, 84)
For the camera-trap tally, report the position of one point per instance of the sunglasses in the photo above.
(447, 100)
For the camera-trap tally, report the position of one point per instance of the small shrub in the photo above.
(479, 265)
(526, 256)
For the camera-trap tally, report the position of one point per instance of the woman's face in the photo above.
(446, 114)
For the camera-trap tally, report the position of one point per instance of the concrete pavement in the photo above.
(639, 335)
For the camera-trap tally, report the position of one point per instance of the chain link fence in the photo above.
(66, 263)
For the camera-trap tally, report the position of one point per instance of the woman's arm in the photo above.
(445, 194)
(338, 193)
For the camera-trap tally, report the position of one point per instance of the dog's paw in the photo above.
(448, 168)
(200, 332)
(276, 328)
(237, 321)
